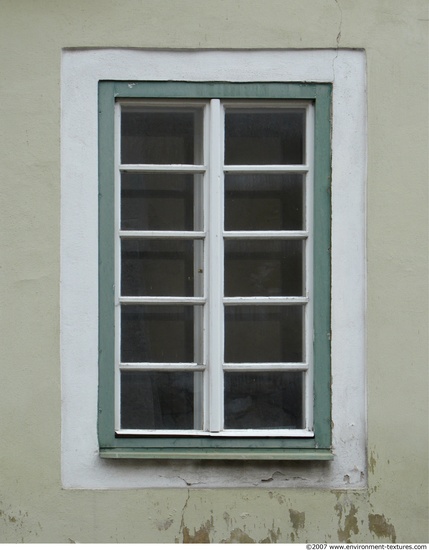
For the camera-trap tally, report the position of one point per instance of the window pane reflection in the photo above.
(159, 400)
(159, 334)
(261, 334)
(156, 135)
(161, 202)
(263, 268)
(264, 400)
(159, 267)
(261, 202)
(264, 136)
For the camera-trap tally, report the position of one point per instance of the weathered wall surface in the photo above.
(33, 506)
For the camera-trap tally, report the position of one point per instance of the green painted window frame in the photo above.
(208, 447)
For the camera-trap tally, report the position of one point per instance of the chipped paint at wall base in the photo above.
(392, 504)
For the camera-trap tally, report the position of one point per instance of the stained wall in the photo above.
(33, 505)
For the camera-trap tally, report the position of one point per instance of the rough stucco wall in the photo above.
(33, 507)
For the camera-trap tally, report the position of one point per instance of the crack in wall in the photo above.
(340, 24)
(338, 37)
(182, 521)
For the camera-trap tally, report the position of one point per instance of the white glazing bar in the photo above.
(267, 168)
(296, 367)
(224, 433)
(265, 234)
(309, 266)
(265, 300)
(183, 168)
(215, 244)
(167, 367)
(191, 300)
(162, 234)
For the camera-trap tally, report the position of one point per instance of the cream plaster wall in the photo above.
(33, 506)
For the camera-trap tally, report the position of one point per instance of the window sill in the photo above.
(224, 454)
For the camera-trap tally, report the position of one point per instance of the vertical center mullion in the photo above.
(215, 243)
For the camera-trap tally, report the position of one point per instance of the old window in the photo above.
(214, 270)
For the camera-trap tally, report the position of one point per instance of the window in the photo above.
(214, 270)
(85, 73)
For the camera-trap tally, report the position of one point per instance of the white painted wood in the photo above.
(161, 366)
(215, 267)
(265, 300)
(162, 300)
(206, 218)
(295, 367)
(179, 168)
(265, 234)
(125, 234)
(222, 433)
(266, 168)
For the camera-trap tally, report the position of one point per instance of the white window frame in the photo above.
(213, 235)
(81, 71)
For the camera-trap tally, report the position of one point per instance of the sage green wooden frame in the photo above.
(207, 447)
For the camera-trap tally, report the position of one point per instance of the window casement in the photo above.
(214, 270)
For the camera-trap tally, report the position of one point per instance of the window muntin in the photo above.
(263, 287)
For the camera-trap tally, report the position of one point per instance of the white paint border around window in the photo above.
(81, 70)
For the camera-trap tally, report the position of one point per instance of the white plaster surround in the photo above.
(81, 70)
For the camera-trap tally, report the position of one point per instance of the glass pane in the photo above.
(161, 401)
(264, 136)
(160, 334)
(264, 400)
(160, 267)
(263, 268)
(157, 135)
(262, 334)
(161, 202)
(260, 202)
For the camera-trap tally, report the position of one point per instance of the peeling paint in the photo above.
(380, 527)
(200, 536)
(275, 475)
(297, 519)
(238, 536)
(350, 522)
(227, 519)
(372, 463)
(274, 535)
